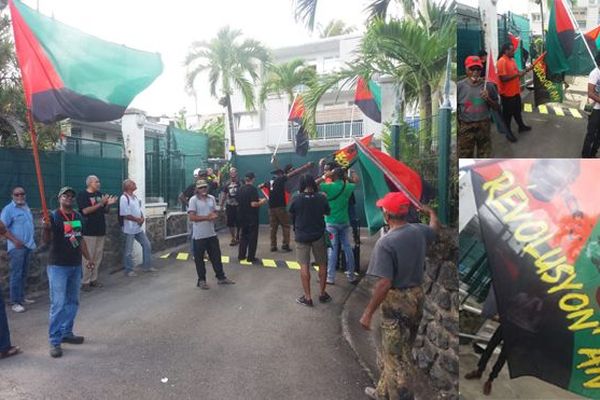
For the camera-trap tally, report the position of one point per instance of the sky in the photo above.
(169, 27)
(503, 6)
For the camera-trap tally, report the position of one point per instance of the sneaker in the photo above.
(274, 248)
(371, 392)
(202, 285)
(73, 339)
(55, 351)
(254, 260)
(302, 300)
(151, 269)
(96, 284)
(28, 301)
(225, 281)
(325, 298)
(286, 248)
(18, 308)
(524, 128)
(131, 273)
(330, 282)
(86, 287)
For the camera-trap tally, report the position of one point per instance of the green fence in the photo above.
(59, 168)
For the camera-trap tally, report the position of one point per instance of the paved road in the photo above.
(246, 341)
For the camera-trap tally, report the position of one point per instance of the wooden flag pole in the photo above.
(38, 169)
(390, 176)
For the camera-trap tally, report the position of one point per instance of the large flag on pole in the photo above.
(516, 42)
(560, 39)
(301, 141)
(539, 224)
(382, 174)
(345, 156)
(69, 74)
(368, 98)
(592, 38)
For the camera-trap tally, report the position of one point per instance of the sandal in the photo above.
(12, 351)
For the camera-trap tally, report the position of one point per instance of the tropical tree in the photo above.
(286, 78)
(335, 27)
(232, 64)
(215, 129)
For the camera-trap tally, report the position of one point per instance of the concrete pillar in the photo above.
(489, 23)
(132, 126)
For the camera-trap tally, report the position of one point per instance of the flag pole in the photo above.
(351, 119)
(574, 22)
(390, 176)
(38, 169)
(286, 128)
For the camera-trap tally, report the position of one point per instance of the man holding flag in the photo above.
(592, 137)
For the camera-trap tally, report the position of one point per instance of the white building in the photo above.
(586, 13)
(260, 131)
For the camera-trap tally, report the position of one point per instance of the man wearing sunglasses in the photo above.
(18, 220)
(475, 98)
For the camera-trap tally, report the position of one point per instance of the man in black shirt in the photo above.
(93, 205)
(64, 233)
(248, 204)
(230, 200)
(277, 211)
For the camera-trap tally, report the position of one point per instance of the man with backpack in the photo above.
(132, 219)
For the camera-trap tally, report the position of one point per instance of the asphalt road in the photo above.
(246, 341)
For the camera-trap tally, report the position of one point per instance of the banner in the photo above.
(538, 221)
(546, 90)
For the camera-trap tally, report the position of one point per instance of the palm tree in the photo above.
(231, 65)
(286, 78)
(335, 27)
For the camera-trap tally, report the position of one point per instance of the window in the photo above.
(99, 135)
(247, 121)
(76, 132)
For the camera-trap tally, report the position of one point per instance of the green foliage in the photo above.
(215, 129)
(335, 27)
(180, 119)
(286, 78)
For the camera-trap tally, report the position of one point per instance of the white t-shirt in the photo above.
(594, 79)
(203, 207)
(130, 205)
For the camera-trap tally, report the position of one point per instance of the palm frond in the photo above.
(305, 11)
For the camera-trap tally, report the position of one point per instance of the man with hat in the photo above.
(398, 259)
(64, 233)
(474, 119)
(248, 205)
(202, 211)
(277, 210)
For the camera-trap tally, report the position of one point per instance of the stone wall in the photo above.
(113, 249)
(436, 346)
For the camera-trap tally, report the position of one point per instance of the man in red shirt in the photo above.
(510, 87)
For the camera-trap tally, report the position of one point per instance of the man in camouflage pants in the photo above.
(398, 259)
(475, 99)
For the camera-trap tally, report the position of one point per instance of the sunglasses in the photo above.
(20, 194)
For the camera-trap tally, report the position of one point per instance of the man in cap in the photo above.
(188, 192)
(6, 348)
(278, 214)
(202, 211)
(398, 259)
(474, 119)
(18, 220)
(230, 201)
(248, 205)
(64, 233)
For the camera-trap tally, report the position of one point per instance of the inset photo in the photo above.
(529, 272)
(528, 79)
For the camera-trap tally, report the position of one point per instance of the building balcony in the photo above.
(333, 130)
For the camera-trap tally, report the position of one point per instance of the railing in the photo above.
(335, 130)
(93, 148)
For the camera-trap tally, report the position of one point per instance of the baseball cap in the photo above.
(473, 61)
(196, 172)
(66, 189)
(250, 175)
(395, 203)
(201, 183)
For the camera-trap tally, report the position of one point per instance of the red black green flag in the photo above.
(592, 38)
(301, 141)
(69, 74)
(560, 39)
(539, 223)
(368, 98)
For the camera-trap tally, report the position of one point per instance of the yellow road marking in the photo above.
(245, 262)
(292, 265)
(224, 259)
(165, 255)
(543, 109)
(269, 263)
(183, 256)
(575, 113)
(527, 107)
(559, 111)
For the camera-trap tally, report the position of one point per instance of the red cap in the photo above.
(473, 61)
(395, 203)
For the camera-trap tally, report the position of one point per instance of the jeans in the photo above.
(211, 246)
(19, 267)
(248, 241)
(592, 137)
(64, 283)
(4, 332)
(340, 233)
(142, 239)
(511, 107)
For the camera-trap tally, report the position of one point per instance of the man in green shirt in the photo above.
(338, 193)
